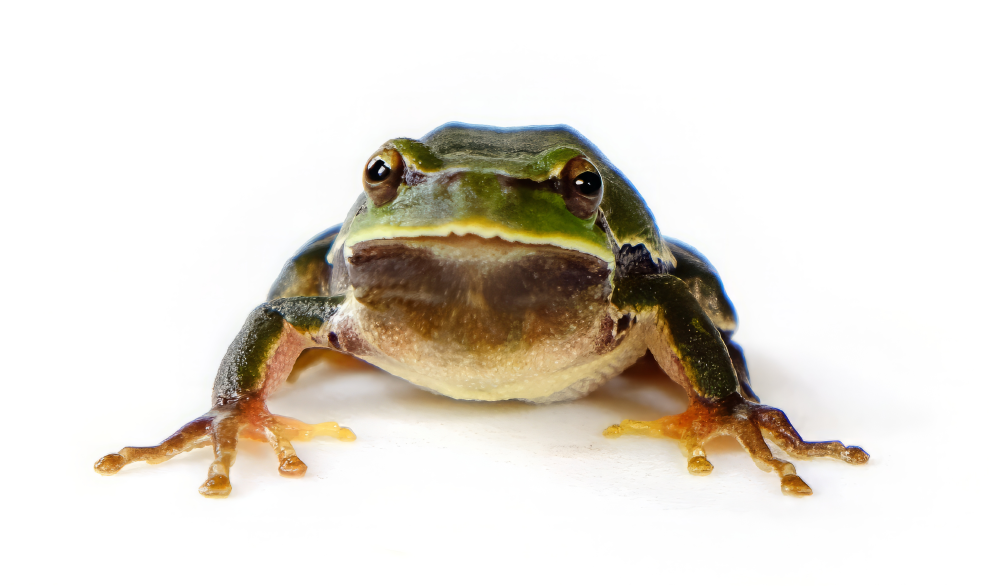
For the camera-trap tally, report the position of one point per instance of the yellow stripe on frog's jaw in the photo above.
(481, 229)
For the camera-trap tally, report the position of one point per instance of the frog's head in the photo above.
(471, 211)
(521, 185)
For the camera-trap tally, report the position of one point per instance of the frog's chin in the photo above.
(484, 231)
(492, 275)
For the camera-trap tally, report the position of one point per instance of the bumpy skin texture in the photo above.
(491, 264)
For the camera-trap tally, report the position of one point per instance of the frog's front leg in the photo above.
(256, 364)
(691, 351)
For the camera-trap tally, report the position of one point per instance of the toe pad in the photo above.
(109, 464)
(792, 485)
(216, 487)
(700, 466)
(292, 467)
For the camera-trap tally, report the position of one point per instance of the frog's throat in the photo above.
(482, 230)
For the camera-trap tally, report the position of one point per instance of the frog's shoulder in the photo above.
(307, 273)
(318, 269)
(704, 283)
(624, 212)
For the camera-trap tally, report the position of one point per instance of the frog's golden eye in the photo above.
(382, 176)
(582, 187)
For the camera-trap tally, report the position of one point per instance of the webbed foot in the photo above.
(748, 423)
(222, 427)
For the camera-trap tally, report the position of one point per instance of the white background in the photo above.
(837, 163)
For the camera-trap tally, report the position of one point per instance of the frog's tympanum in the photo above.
(491, 264)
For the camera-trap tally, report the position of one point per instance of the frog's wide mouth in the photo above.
(477, 232)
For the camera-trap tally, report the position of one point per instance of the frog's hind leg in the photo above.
(194, 434)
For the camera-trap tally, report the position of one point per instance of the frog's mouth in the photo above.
(481, 273)
(485, 231)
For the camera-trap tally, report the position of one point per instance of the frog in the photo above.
(494, 264)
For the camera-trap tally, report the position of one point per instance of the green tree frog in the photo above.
(491, 264)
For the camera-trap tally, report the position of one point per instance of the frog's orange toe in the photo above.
(292, 467)
(747, 422)
(700, 466)
(216, 487)
(109, 464)
(346, 434)
(222, 427)
(281, 431)
(792, 485)
(855, 455)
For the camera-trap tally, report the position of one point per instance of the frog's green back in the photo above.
(626, 213)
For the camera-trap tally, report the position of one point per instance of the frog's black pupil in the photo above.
(588, 182)
(378, 170)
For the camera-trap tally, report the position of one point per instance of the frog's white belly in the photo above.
(544, 386)
(550, 368)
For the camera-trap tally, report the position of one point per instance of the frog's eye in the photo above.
(382, 176)
(581, 187)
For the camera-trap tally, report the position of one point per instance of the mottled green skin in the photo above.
(686, 296)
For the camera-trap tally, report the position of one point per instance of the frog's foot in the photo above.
(221, 428)
(747, 422)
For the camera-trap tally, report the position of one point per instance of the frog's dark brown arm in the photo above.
(691, 350)
(256, 364)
